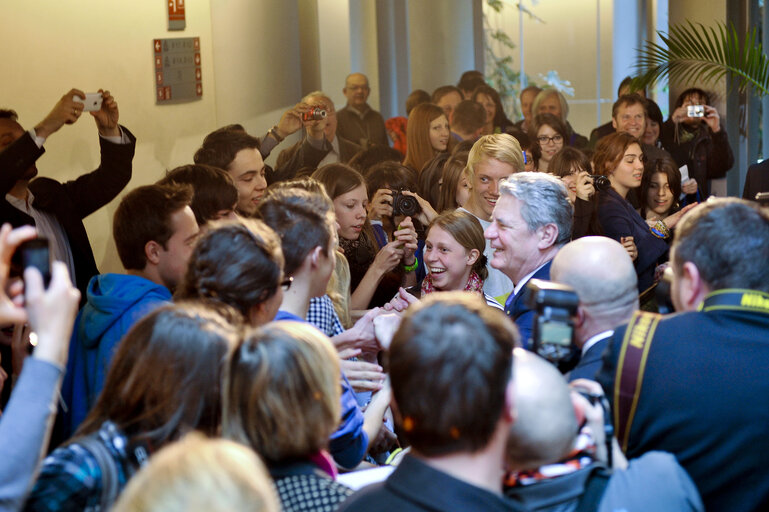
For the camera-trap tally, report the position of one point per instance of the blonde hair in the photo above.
(546, 93)
(200, 474)
(500, 146)
(282, 392)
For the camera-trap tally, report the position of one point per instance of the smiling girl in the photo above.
(454, 259)
(619, 157)
(660, 190)
(549, 135)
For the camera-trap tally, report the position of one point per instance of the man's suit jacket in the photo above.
(704, 397)
(305, 155)
(522, 315)
(16, 159)
(69, 202)
(590, 362)
(599, 133)
(757, 180)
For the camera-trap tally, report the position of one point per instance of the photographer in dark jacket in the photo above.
(699, 142)
(58, 209)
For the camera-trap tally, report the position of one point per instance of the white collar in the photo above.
(595, 339)
(517, 288)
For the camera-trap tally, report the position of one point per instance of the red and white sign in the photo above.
(176, 10)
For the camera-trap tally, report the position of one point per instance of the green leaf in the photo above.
(700, 55)
(497, 5)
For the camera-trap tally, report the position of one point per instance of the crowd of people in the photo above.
(364, 311)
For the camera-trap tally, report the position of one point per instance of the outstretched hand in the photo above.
(291, 120)
(66, 111)
(401, 301)
(107, 117)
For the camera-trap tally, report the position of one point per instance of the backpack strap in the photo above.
(630, 371)
(107, 466)
(594, 489)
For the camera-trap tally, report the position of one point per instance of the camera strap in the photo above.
(630, 371)
(735, 299)
(637, 341)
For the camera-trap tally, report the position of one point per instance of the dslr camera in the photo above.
(408, 206)
(554, 306)
(601, 183)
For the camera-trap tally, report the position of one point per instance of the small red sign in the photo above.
(198, 75)
(199, 89)
(176, 10)
(159, 77)
(158, 46)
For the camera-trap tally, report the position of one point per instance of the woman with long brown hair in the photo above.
(427, 134)
(619, 157)
(164, 381)
(496, 119)
(368, 264)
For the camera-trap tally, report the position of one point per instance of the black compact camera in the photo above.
(408, 206)
(600, 183)
(555, 306)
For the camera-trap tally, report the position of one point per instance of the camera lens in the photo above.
(405, 205)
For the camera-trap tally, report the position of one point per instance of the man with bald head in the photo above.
(553, 469)
(601, 272)
(320, 145)
(358, 122)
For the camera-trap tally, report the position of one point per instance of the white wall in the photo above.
(52, 46)
(334, 42)
(250, 66)
(566, 42)
(440, 41)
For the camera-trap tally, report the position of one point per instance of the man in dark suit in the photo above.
(601, 272)
(320, 146)
(531, 221)
(457, 419)
(694, 384)
(756, 181)
(58, 209)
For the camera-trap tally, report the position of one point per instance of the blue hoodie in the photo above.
(115, 303)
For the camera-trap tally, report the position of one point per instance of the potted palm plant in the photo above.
(694, 53)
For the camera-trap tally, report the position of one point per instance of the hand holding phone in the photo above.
(92, 101)
(36, 253)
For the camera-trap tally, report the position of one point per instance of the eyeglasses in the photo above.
(286, 283)
(555, 139)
